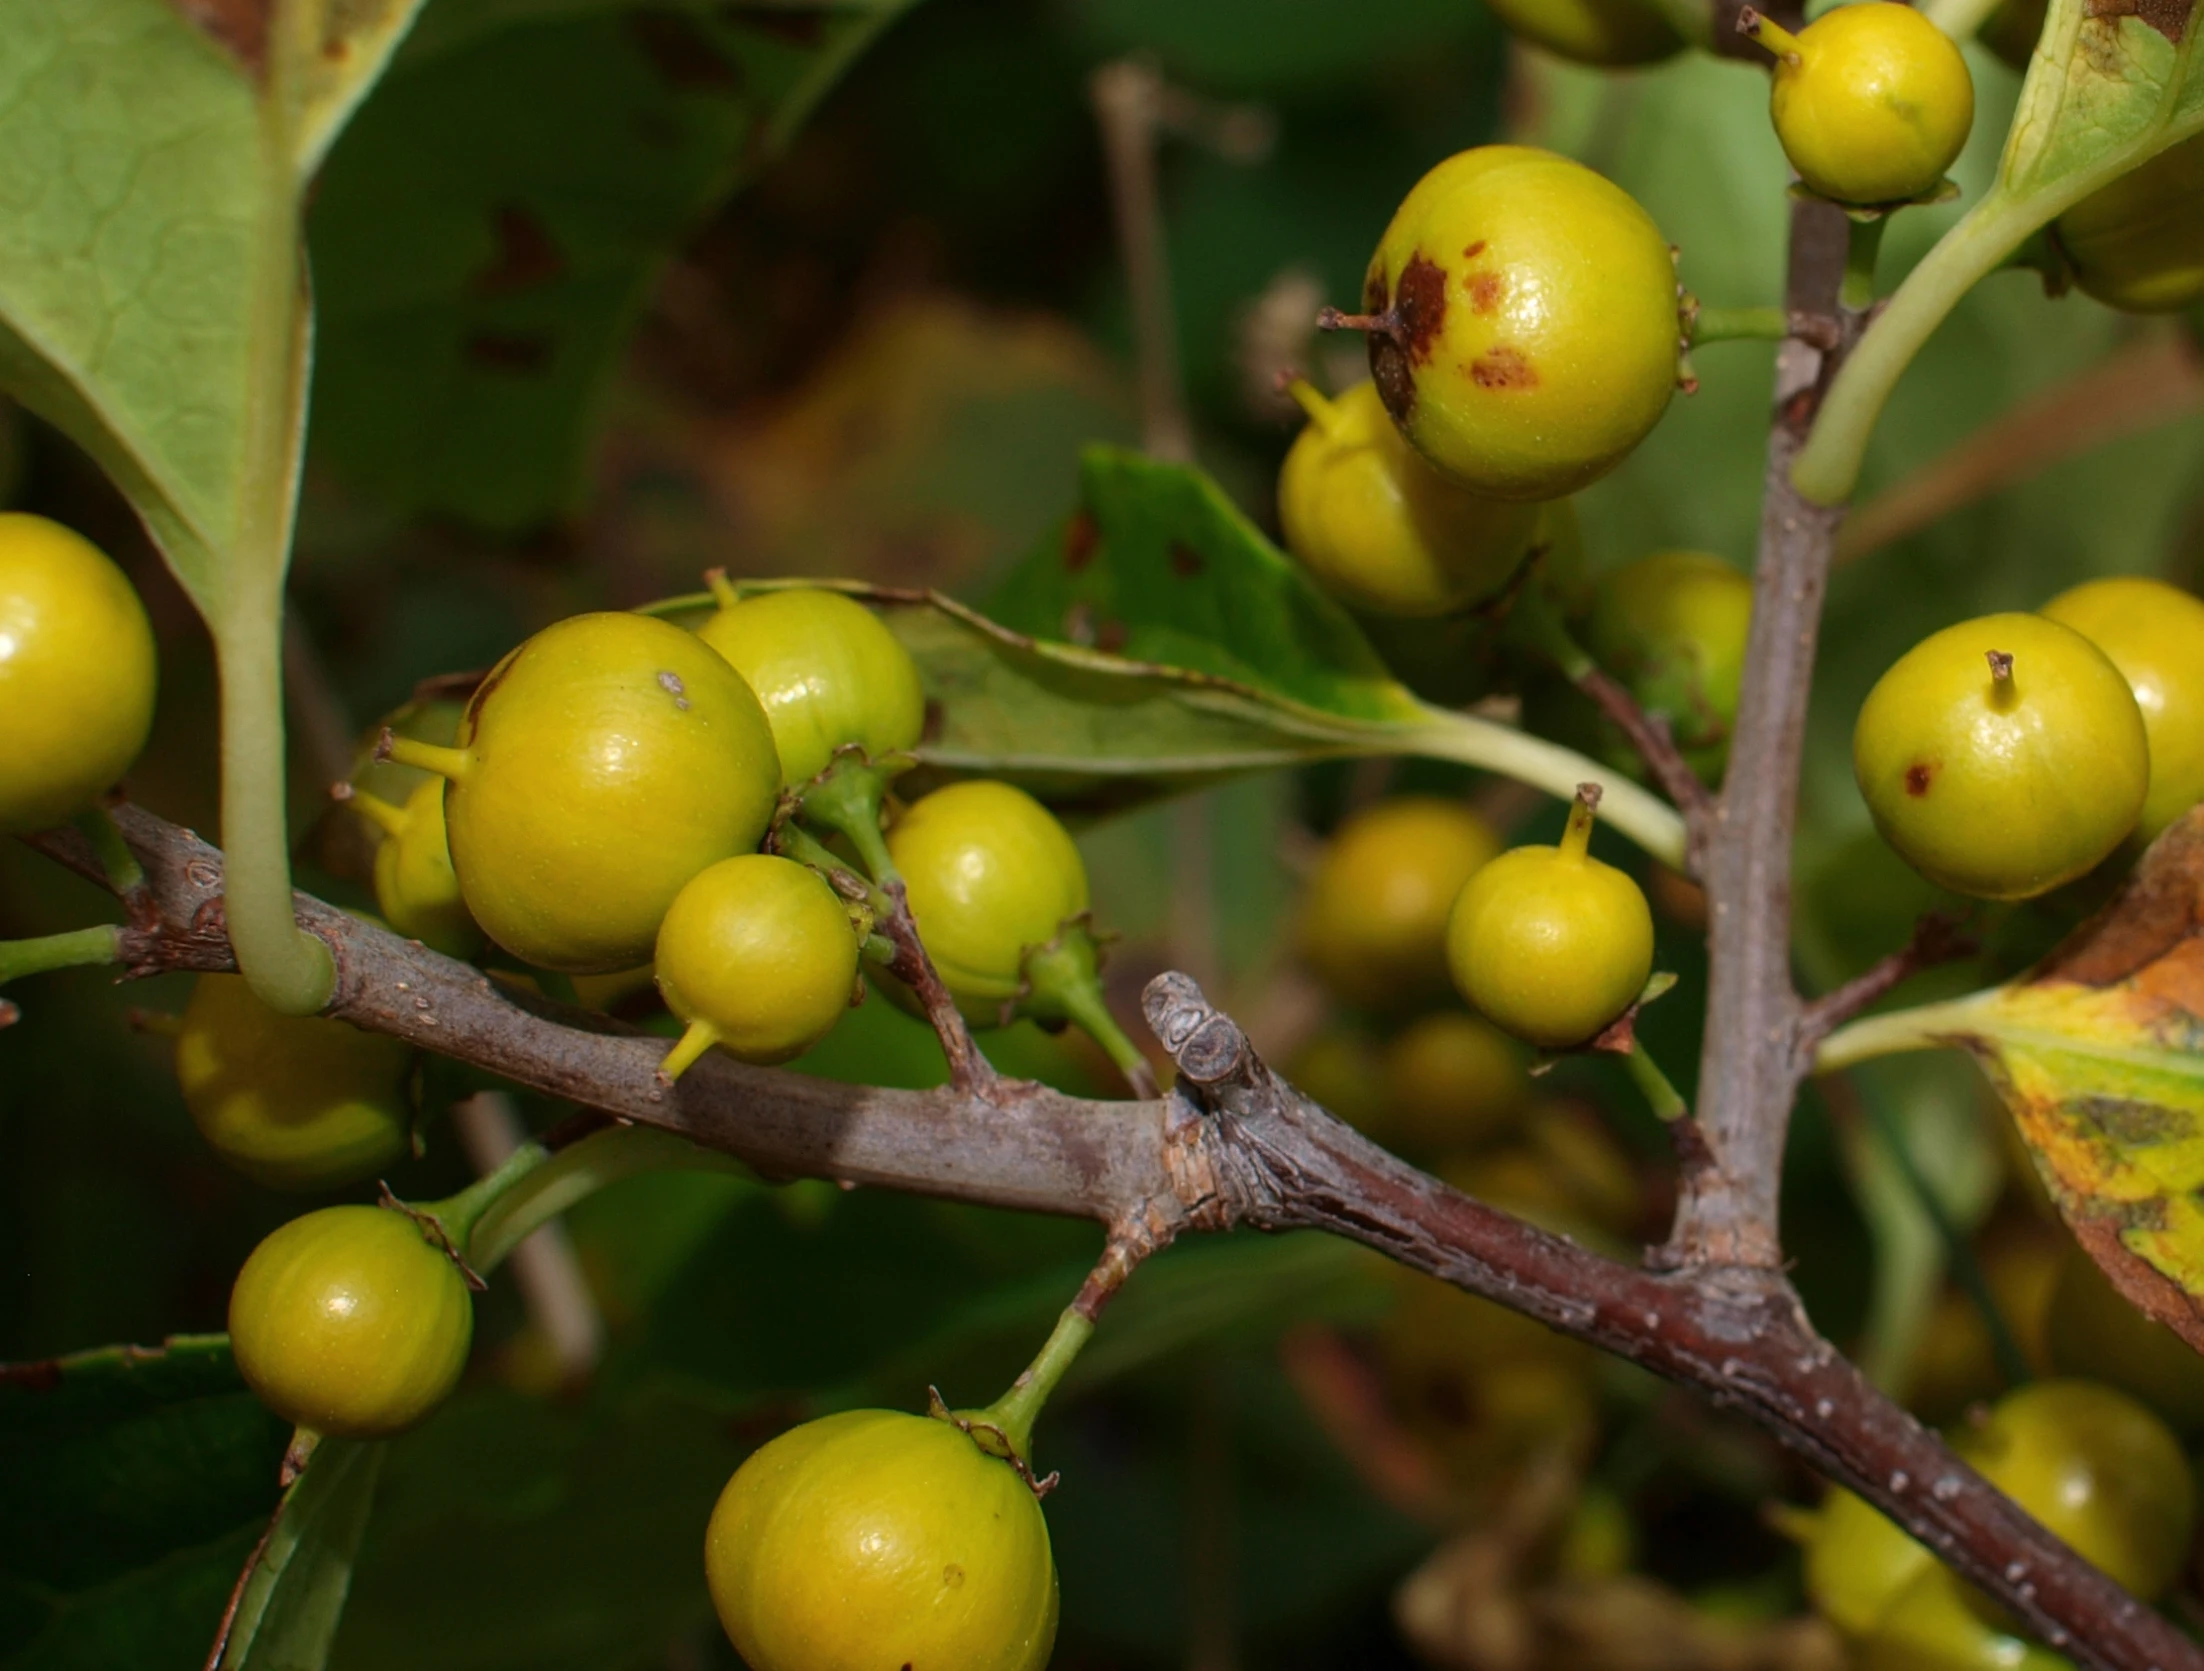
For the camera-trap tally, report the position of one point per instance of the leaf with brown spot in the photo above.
(2098, 1053)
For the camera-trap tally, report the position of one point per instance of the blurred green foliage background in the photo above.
(560, 370)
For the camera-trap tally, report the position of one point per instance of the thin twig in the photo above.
(1936, 939)
(1656, 745)
(1231, 1145)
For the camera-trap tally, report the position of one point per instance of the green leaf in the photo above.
(138, 1482)
(2098, 1053)
(488, 231)
(294, 1594)
(2108, 89)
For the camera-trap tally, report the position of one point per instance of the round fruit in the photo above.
(2154, 634)
(1672, 628)
(1522, 320)
(1340, 1068)
(416, 888)
(1379, 528)
(1373, 921)
(2138, 244)
(76, 673)
(1548, 942)
(295, 1102)
(600, 766)
(1451, 1082)
(875, 1539)
(349, 1322)
(991, 876)
(2098, 1470)
(2095, 1330)
(758, 956)
(1929, 1627)
(1858, 1562)
(1609, 32)
(1872, 102)
(2002, 756)
(827, 671)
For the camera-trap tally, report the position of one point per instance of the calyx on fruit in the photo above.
(1872, 102)
(598, 768)
(1522, 319)
(350, 1322)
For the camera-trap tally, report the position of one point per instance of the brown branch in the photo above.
(1656, 746)
(1232, 1145)
(1936, 939)
(1749, 1074)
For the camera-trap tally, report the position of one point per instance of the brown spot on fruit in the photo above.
(1474, 250)
(1485, 292)
(527, 256)
(681, 54)
(1185, 560)
(239, 26)
(1082, 538)
(670, 682)
(952, 1576)
(1503, 368)
(1919, 776)
(522, 353)
(1417, 314)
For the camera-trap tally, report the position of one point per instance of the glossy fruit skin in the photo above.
(1384, 532)
(2138, 243)
(2097, 1469)
(1858, 1562)
(77, 673)
(1550, 945)
(349, 1322)
(1672, 628)
(990, 874)
(1928, 1626)
(828, 673)
(1873, 105)
(874, 1539)
(416, 888)
(762, 950)
(2154, 634)
(1373, 917)
(1532, 336)
(2002, 788)
(612, 757)
(1612, 33)
(1452, 1081)
(2094, 1330)
(293, 1102)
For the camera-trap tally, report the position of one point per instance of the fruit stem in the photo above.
(116, 862)
(1063, 983)
(452, 763)
(1773, 36)
(1576, 840)
(846, 799)
(373, 808)
(700, 1037)
(1945, 1025)
(77, 949)
(1533, 619)
(1738, 325)
(2001, 665)
(1385, 324)
(1862, 248)
(1661, 1095)
(722, 589)
(1013, 1414)
(1321, 411)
